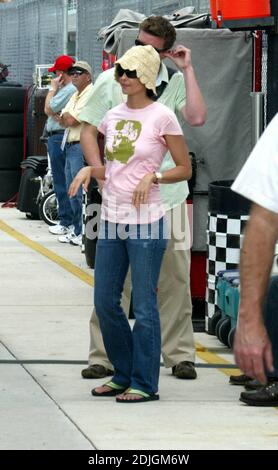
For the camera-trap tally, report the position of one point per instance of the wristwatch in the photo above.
(157, 177)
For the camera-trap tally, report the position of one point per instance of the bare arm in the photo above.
(182, 170)
(55, 84)
(47, 109)
(252, 347)
(67, 120)
(89, 145)
(83, 177)
(179, 152)
(195, 111)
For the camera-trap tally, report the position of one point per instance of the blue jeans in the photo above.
(135, 354)
(271, 321)
(74, 163)
(58, 163)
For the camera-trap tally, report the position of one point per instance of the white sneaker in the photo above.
(65, 238)
(59, 229)
(76, 239)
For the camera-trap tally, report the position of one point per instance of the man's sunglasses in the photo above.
(128, 73)
(137, 42)
(76, 72)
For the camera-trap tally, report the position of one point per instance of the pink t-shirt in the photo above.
(134, 146)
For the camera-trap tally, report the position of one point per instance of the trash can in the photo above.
(227, 217)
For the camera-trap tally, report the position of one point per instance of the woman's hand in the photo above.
(141, 192)
(82, 177)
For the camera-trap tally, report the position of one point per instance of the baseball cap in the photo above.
(82, 65)
(145, 60)
(63, 62)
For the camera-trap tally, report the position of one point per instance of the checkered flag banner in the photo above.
(224, 240)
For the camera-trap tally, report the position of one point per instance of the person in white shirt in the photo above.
(256, 339)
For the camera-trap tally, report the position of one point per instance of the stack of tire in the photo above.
(11, 139)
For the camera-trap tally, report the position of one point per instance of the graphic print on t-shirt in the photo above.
(123, 147)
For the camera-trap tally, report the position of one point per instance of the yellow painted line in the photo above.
(71, 268)
(202, 352)
(212, 358)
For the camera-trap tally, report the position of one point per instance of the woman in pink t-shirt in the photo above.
(132, 230)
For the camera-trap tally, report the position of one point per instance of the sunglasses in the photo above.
(137, 42)
(77, 72)
(128, 73)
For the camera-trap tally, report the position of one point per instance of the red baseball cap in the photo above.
(63, 62)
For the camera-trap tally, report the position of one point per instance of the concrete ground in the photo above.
(45, 306)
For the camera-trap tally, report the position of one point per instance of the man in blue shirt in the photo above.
(60, 91)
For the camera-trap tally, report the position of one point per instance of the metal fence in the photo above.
(31, 32)
(72, 5)
(93, 15)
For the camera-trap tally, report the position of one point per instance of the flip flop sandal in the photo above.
(143, 396)
(114, 390)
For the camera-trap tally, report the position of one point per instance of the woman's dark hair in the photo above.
(150, 93)
(160, 27)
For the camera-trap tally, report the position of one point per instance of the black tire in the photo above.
(32, 216)
(231, 337)
(214, 320)
(224, 331)
(219, 323)
(11, 152)
(12, 99)
(28, 192)
(48, 209)
(11, 124)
